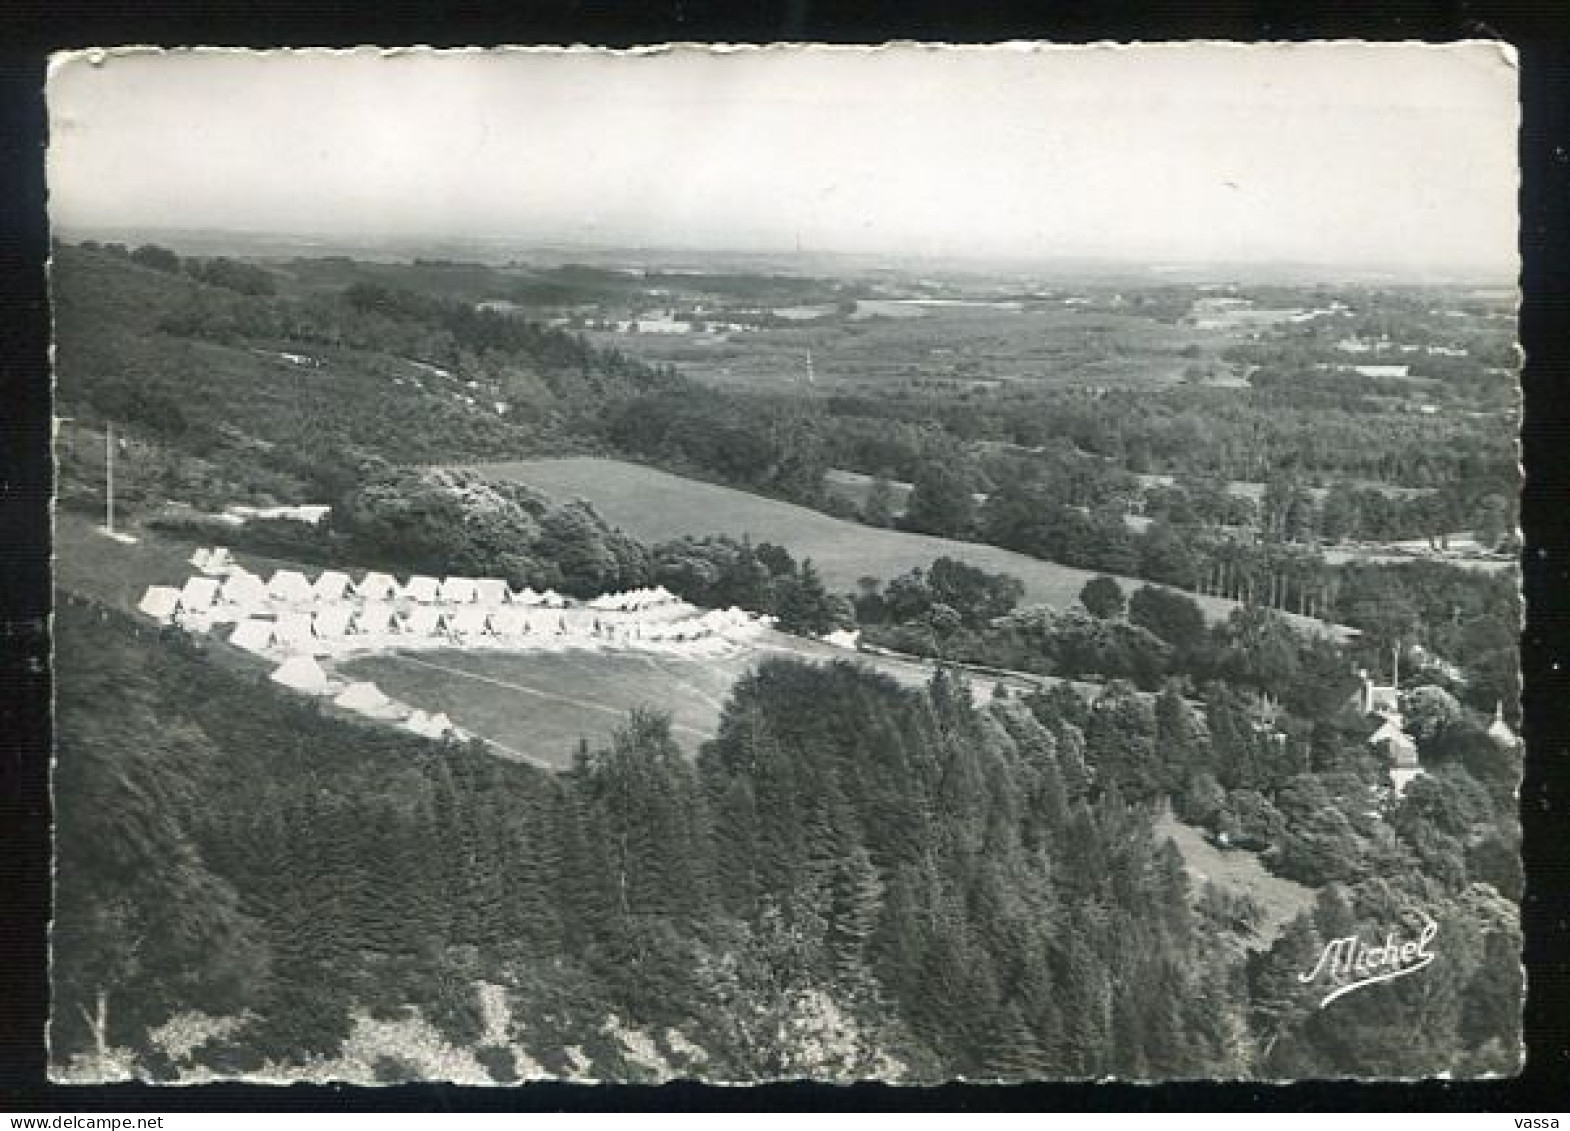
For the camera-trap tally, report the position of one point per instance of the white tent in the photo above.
(290, 585)
(293, 632)
(253, 634)
(160, 602)
(441, 725)
(218, 561)
(417, 721)
(376, 618)
(199, 557)
(377, 587)
(332, 621)
(537, 619)
(553, 600)
(525, 596)
(195, 620)
(605, 602)
(303, 674)
(361, 696)
(428, 726)
(660, 595)
(422, 589)
(490, 591)
(332, 585)
(423, 620)
(458, 590)
(198, 594)
(509, 621)
(243, 588)
(842, 638)
(470, 620)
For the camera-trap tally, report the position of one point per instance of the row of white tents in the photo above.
(334, 614)
(340, 630)
(224, 581)
(305, 675)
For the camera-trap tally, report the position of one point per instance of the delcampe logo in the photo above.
(1349, 963)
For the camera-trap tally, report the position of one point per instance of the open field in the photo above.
(539, 705)
(1239, 873)
(116, 573)
(889, 344)
(531, 705)
(655, 506)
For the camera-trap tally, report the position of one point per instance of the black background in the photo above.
(29, 31)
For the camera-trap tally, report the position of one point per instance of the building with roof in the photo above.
(1391, 738)
(1378, 699)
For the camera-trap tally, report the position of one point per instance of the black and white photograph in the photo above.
(764, 563)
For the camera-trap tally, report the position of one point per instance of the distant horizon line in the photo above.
(419, 245)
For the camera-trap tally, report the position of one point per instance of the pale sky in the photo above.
(1394, 156)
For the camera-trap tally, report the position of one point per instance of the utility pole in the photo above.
(109, 477)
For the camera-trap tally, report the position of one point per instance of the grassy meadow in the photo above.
(656, 506)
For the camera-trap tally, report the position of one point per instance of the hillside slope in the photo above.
(656, 506)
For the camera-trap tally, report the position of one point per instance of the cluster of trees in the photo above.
(949, 595)
(767, 445)
(720, 571)
(851, 878)
(962, 614)
(221, 271)
(441, 521)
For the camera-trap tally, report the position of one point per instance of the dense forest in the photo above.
(852, 878)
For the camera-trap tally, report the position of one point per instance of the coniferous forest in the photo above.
(852, 879)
